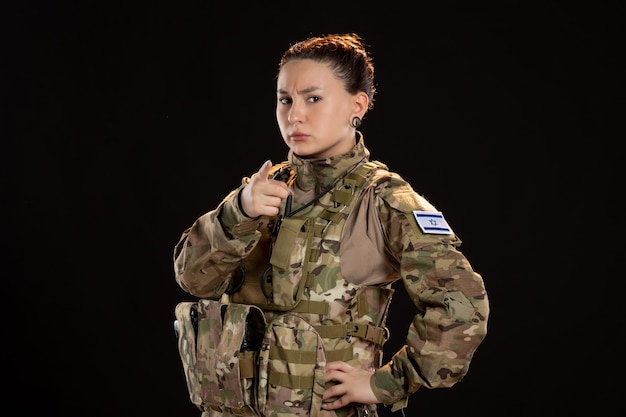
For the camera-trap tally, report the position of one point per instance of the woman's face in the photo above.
(314, 110)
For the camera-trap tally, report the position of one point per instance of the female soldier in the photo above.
(315, 243)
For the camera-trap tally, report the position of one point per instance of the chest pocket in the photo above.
(290, 253)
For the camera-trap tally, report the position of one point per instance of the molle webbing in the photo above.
(343, 199)
(374, 334)
(300, 357)
(312, 307)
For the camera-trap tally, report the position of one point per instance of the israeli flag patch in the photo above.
(432, 222)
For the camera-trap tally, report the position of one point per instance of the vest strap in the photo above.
(247, 366)
(374, 334)
(290, 380)
(312, 307)
(303, 357)
(342, 196)
(292, 355)
(343, 355)
(333, 217)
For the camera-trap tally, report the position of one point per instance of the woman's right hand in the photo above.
(262, 196)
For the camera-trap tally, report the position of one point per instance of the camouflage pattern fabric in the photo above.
(333, 266)
(292, 369)
(186, 333)
(212, 357)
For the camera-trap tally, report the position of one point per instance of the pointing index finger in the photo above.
(264, 171)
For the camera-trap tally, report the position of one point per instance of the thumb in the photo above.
(264, 171)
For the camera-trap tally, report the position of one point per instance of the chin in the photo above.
(302, 152)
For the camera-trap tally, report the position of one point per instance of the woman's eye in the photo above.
(313, 99)
(284, 100)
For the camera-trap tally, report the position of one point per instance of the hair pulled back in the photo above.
(345, 54)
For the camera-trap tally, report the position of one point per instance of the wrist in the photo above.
(240, 207)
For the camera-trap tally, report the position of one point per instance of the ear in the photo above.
(361, 103)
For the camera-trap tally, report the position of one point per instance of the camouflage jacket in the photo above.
(384, 239)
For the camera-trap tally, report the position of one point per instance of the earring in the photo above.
(355, 122)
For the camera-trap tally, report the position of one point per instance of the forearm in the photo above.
(209, 251)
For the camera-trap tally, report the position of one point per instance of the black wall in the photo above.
(124, 122)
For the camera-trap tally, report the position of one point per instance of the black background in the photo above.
(123, 122)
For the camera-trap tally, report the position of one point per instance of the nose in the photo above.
(296, 113)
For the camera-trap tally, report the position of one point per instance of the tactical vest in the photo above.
(261, 347)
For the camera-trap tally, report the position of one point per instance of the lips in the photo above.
(298, 136)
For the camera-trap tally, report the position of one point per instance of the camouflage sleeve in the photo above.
(209, 250)
(451, 303)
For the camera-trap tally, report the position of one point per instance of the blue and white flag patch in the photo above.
(432, 222)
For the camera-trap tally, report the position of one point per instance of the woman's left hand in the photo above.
(352, 385)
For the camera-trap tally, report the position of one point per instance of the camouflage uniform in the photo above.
(335, 274)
